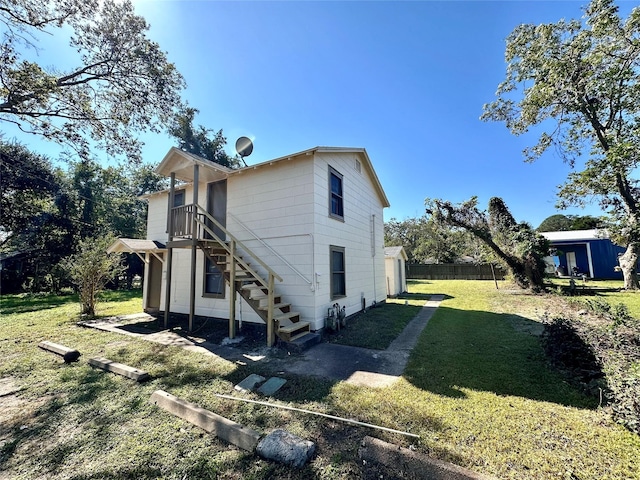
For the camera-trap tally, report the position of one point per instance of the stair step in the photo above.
(288, 316)
(277, 305)
(294, 327)
(298, 335)
(228, 262)
(216, 251)
(241, 275)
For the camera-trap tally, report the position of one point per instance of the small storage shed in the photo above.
(587, 252)
(394, 264)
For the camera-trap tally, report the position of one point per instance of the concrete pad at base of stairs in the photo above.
(68, 354)
(410, 464)
(119, 368)
(221, 427)
(271, 386)
(249, 384)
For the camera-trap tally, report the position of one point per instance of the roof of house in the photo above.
(134, 245)
(181, 163)
(575, 235)
(393, 252)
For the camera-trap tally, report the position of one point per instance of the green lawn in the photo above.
(477, 390)
(379, 326)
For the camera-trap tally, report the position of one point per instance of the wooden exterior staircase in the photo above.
(191, 226)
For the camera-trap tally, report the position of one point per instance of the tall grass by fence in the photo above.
(453, 271)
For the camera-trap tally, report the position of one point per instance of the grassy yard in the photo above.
(378, 327)
(478, 391)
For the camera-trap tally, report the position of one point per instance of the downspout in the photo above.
(373, 254)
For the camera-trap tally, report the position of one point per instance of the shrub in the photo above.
(90, 270)
(603, 359)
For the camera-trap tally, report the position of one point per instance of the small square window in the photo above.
(336, 201)
(178, 198)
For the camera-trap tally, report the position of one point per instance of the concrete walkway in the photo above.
(363, 366)
(359, 366)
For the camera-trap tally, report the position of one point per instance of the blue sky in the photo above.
(405, 80)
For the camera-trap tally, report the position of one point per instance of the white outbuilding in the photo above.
(394, 263)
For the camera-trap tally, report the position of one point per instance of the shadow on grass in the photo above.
(133, 473)
(420, 296)
(488, 352)
(25, 303)
(77, 389)
(376, 328)
(120, 295)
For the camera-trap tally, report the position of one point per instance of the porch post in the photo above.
(590, 260)
(167, 294)
(194, 246)
(232, 290)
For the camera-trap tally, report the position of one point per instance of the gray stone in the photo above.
(271, 386)
(287, 448)
(250, 383)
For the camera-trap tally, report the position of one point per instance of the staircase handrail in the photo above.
(266, 245)
(202, 212)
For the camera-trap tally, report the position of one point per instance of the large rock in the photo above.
(285, 447)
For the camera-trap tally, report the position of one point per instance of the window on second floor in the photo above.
(336, 199)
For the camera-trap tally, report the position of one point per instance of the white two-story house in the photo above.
(279, 242)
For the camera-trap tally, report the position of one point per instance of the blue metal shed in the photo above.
(589, 252)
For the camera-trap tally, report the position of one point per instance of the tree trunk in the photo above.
(628, 264)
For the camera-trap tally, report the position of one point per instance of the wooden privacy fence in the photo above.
(453, 271)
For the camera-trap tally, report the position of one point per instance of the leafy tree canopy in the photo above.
(47, 212)
(426, 242)
(28, 182)
(579, 82)
(514, 244)
(561, 223)
(123, 83)
(199, 140)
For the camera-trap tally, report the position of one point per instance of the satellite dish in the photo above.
(244, 147)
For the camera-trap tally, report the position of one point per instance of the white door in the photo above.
(571, 262)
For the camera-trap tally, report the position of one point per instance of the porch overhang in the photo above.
(181, 164)
(139, 247)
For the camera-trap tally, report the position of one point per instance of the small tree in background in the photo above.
(563, 223)
(91, 268)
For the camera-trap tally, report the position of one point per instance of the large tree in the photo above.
(46, 212)
(514, 244)
(199, 140)
(27, 187)
(579, 84)
(122, 83)
(426, 242)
